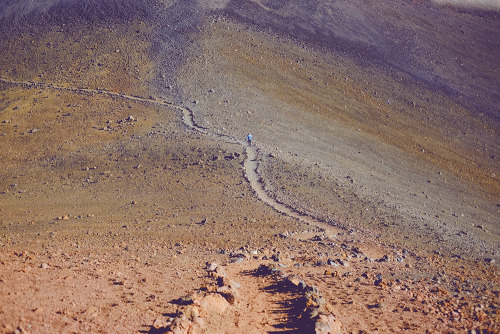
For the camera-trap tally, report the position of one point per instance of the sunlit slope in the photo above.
(392, 151)
(266, 73)
(449, 46)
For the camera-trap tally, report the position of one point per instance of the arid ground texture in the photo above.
(132, 202)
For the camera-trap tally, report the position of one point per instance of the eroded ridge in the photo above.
(250, 164)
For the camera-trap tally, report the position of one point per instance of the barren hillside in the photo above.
(130, 200)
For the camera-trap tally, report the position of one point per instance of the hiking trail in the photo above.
(250, 165)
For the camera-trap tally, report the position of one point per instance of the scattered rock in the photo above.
(212, 266)
(214, 303)
(237, 259)
(333, 263)
(186, 300)
(385, 258)
(268, 269)
(327, 324)
(293, 280)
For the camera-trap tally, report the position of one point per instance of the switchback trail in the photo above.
(251, 164)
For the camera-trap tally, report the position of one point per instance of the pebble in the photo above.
(212, 266)
(384, 258)
(44, 266)
(237, 260)
(215, 303)
(276, 257)
(293, 280)
(333, 263)
(344, 263)
(234, 284)
(220, 271)
(327, 324)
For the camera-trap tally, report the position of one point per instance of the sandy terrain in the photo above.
(131, 202)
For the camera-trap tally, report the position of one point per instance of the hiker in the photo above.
(249, 138)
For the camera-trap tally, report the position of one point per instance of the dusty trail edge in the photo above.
(250, 165)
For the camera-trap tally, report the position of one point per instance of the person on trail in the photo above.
(249, 138)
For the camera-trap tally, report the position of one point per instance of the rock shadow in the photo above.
(290, 306)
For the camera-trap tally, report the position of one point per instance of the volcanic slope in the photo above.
(123, 164)
(353, 142)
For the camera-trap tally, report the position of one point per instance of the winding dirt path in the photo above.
(251, 163)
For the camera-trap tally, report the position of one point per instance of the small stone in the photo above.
(293, 280)
(44, 266)
(228, 295)
(333, 263)
(215, 303)
(221, 272)
(212, 266)
(234, 284)
(268, 269)
(160, 323)
(344, 263)
(186, 300)
(327, 324)
(237, 260)
(384, 258)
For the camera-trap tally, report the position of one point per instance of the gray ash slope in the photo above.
(447, 50)
(414, 38)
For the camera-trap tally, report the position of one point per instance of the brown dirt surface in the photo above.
(372, 178)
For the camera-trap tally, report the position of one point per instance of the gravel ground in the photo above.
(125, 168)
